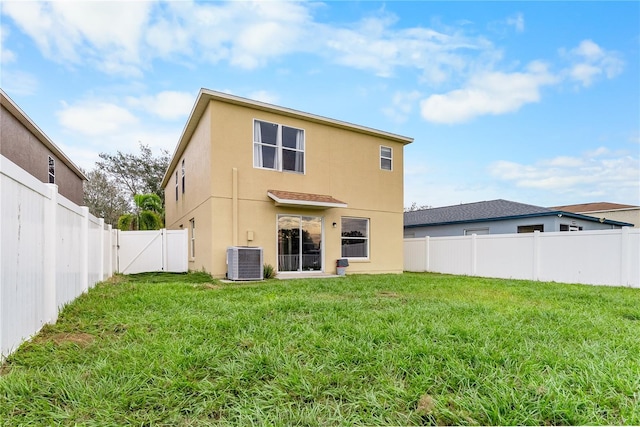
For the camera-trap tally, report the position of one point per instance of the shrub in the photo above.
(268, 271)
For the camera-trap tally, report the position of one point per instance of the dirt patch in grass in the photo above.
(208, 286)
(388, 294)
(82, 339)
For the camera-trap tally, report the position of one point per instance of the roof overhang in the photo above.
(206, 96)
(26, 121)
(306, 200)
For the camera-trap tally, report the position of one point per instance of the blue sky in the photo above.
(535, 102)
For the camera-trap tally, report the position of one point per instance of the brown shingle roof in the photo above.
(290, 197)
(593, 207)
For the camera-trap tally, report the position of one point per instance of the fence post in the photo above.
(625, 263)
(474, 254)
(536, 255)
(427, 247)
(165, 249)
(84, 243)
(50, 314)
(101, 272)
(110, 252)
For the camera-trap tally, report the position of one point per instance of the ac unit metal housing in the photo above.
(244, 263)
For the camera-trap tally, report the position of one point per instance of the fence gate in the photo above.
(153, 250)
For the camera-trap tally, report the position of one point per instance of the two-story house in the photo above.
(307, 189)
(25, 144)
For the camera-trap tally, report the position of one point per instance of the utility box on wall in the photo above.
(244, 263)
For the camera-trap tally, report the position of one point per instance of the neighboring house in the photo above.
(613, 211)
(308, 190)
(498, 217)
(26, 145)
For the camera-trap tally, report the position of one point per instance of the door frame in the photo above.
(322, 245)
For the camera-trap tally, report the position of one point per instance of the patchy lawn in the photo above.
(160, 349)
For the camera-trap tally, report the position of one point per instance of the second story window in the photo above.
(176, 186)
(52, 170)
(386, 158)
(278, 147)
(182, 176)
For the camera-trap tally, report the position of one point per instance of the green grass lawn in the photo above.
(406, 349)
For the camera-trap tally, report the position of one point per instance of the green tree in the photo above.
(136, 173)
(148, 216)
(103, 197)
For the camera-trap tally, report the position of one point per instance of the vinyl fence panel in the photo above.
(601, 257)
(50, 253)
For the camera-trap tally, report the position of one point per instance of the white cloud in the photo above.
(401, 106)
(488, 93)
(125, 38)
(517, 21)
(599, 172)
(18, 82)
(95, 118)
(168, 105)
(6, 55)
(105, 33)
(590, 62)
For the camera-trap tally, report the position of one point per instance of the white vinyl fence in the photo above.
(51, 251)
(602, 257)
(152, 250)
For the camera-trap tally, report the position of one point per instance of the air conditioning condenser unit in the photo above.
(244, 263)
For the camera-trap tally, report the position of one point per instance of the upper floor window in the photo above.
(278, 147)
(386, 157)
(182, 176)
(176, 186)
(52, 170)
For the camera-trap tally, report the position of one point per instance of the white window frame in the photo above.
(279, 148)
(51, 170)
(389, 157)
(183, 173)
(476, 231)
(192, 241)
(367, 239)
(177, 191)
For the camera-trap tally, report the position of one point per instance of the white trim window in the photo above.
(183, 171)
(278, 147)
(355, 238)
(52, 170)
(176, 186)
(386, 158)
(192, 243)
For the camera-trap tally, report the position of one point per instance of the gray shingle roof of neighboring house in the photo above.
(485, 211)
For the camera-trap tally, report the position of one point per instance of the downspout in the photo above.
(234, 207)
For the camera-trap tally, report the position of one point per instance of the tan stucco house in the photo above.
(26, 145)
(308, 190)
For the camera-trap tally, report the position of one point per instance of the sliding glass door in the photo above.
(299, 243)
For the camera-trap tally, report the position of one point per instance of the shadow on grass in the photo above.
(163, 277)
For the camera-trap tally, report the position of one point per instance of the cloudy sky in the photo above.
(535, 102)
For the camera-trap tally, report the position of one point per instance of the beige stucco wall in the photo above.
(23, 148)
(341, 163)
